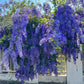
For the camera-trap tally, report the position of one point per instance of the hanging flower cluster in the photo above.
(69, 28)
(15, 44)
(39, 55)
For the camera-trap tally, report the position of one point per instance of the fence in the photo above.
(61, 67)
(2, 69)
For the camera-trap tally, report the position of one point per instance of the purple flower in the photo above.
(81, 1)
(36, 12)
(68, 2)
(27, 10)
(16, 17)
(78, 17)
(19, 47)
(83, 6)
(11, 2)
(6, 5)
(39, 5)
(46, 7)
(74, 1)
(43, 40)
(83, 30)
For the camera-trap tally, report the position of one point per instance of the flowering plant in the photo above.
(33, 42)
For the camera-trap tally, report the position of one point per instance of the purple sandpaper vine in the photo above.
(34, 46)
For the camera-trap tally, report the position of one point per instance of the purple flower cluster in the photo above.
(14, 47)
(69, 27)
(46, 8)
(80, 18)
(39, 54)
(20, 20)
(36, 12)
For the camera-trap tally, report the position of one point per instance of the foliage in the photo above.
(33, 41)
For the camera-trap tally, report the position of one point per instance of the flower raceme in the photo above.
(69, 27)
